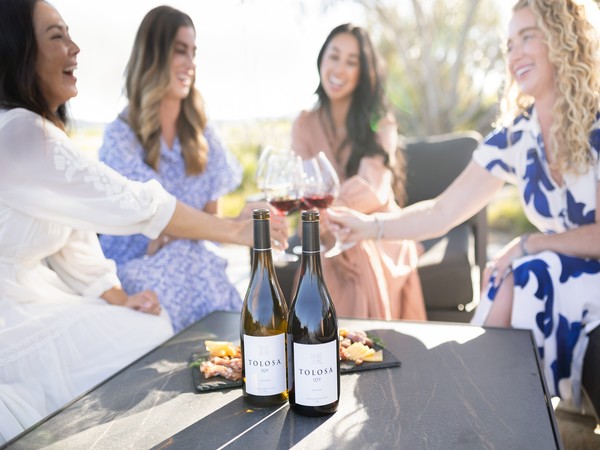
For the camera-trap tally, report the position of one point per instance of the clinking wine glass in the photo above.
(320, 187)
(280, 184)
(261, 166)
(320, 183)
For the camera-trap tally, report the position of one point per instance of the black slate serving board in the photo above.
(211, 384)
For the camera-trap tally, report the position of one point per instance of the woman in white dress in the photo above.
(549, 147)
(65, 322)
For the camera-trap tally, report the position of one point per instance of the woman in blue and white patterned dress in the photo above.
(163, 134)
(547, 281)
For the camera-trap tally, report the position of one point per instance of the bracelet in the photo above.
(522, 243)
(379, 223)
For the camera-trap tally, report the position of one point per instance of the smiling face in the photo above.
(183, 66)
(528, 60)
(56, 56)
(340, 67)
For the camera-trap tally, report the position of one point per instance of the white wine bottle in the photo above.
(313, 342)
(263, 325)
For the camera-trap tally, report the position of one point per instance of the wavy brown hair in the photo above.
(573, 49)
(19, 83)
(146, 81)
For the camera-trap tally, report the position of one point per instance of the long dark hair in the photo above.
(19, 84)
(368, 99)
(146, 81)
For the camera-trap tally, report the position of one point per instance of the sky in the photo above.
(255, 58)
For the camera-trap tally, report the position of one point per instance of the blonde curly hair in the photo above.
(572, 38)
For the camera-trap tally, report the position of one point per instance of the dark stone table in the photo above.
(459, 386)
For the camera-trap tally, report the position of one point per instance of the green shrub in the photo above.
(246, 140)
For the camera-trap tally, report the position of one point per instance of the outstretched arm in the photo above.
(190, 223)
(469, 193)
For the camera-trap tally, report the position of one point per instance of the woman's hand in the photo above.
(158, 243)
(350, 225)
(279, 232)
(278, 224)
(249, 207)
(499, 267)
(145, 301)
(327, 229)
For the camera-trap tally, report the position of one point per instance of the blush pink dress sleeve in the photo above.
(374, 279)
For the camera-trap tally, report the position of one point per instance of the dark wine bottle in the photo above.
(313, 342)
(263, 325)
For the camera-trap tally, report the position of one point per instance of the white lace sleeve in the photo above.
(43, 175)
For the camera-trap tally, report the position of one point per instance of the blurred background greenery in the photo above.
(445, 71)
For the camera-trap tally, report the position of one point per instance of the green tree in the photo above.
(444, 61)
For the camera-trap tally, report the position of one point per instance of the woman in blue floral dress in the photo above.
(163, 134)
(548, 281)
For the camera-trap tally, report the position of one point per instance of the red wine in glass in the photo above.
(285, 205)
(319, 201)
(304, 205)
(282, 171)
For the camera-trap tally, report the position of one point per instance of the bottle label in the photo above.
(315, 373)
(264, 364)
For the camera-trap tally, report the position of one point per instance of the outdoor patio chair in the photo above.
(451, 264)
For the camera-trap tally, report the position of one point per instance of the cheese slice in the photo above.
(359, 351)
(375, 357)
(220, 348)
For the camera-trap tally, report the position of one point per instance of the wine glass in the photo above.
(261, 166)
(280, 184)
(320, 183)
(320, 187)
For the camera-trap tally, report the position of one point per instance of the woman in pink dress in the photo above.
(351, 125)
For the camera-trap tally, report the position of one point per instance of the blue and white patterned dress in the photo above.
(556, 296)
(188, 277)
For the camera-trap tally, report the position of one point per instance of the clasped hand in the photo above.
(145, 301)
(501, 265)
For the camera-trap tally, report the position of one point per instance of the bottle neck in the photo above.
(311, 248)
(261, 254)
(310, 237)
(262, 235)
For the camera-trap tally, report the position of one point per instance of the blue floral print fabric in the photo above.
(556, 296)
(187, 275)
